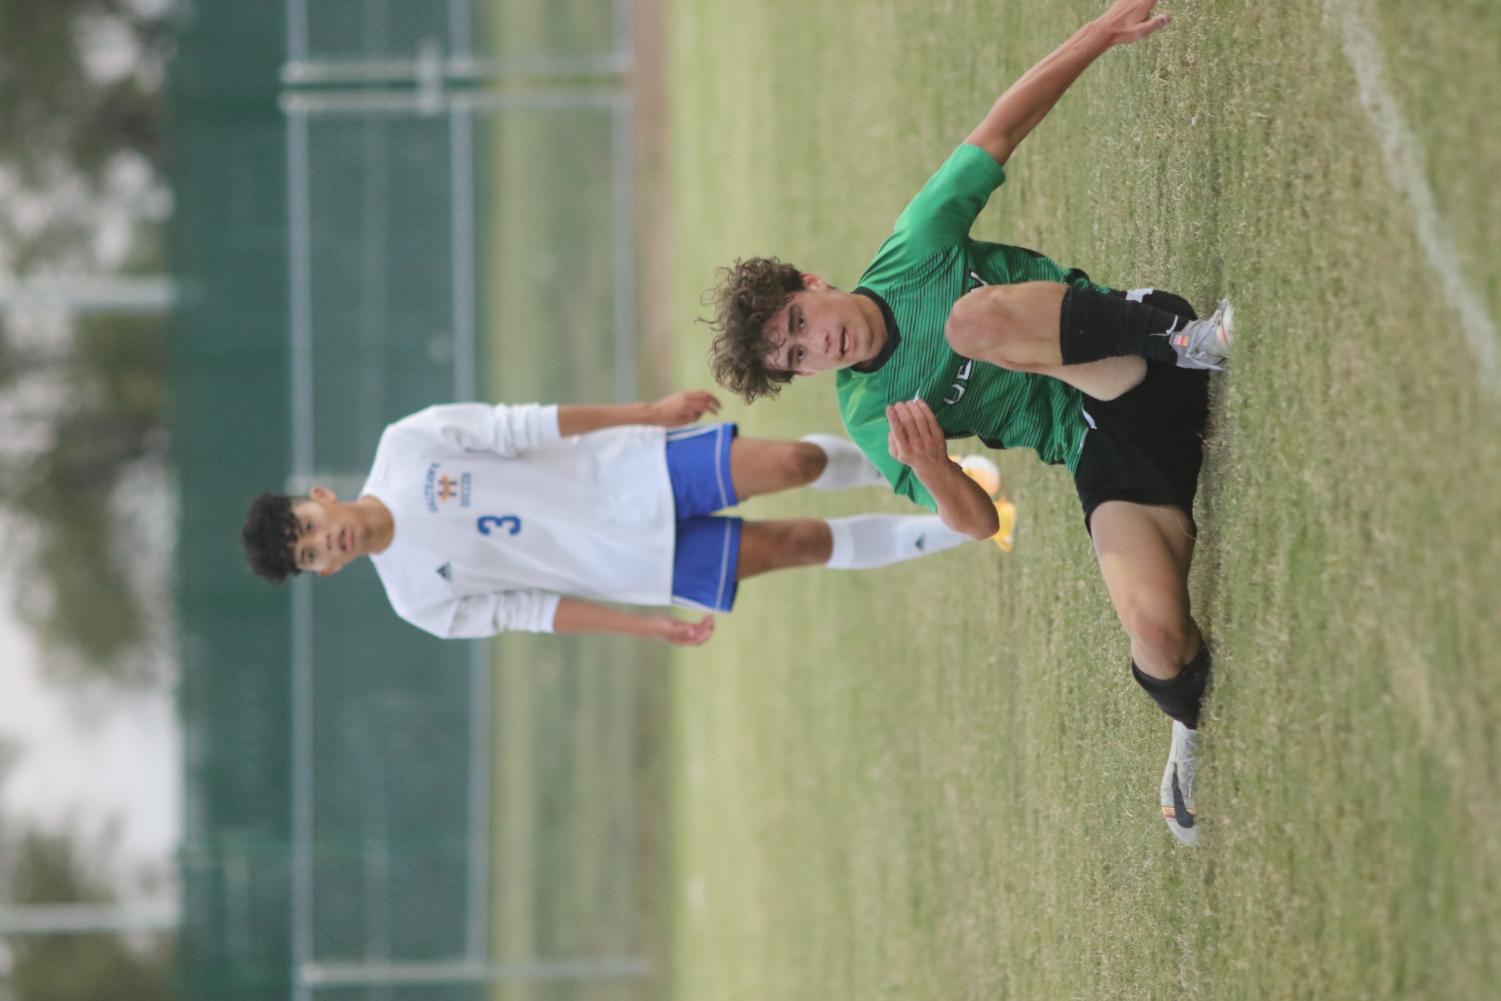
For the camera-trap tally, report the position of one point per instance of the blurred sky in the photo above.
(86, 762)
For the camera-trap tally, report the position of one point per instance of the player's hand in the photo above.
(681, 632)
(916, 440)
(683, 407)
(1128, 21)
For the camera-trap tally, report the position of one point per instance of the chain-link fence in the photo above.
(457, 225)
(401, 196)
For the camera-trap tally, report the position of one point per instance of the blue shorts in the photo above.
(706, 558)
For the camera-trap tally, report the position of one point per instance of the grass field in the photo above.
(939, 782)
(579, 724)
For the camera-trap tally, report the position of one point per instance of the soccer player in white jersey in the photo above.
(480, 519)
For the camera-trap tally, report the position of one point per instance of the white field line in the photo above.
(1407, 171)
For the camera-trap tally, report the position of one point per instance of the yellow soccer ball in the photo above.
(982, 471)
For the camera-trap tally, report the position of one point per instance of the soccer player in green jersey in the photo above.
(945, 336)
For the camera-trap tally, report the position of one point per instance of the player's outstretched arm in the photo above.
(577, 616)
(1026, 102)
(917, 441)
(683, 407)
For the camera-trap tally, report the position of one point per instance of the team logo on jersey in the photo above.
(439, 487)
(446, 572)
(960, 385)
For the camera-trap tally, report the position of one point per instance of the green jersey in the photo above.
(921, 270)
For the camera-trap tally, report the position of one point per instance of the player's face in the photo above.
(329, 534)
(821, 328)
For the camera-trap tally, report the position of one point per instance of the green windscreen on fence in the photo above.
(352, 250)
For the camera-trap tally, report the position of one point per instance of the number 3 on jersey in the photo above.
(489, 523)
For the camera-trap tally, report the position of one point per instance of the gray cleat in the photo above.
(1177, 791)
(1205, 343)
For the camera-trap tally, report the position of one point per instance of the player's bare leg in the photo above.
(1016, 327)
(856, 542)
(820, 461)
(1144, 554)
(765, 466)
(1021, 327)
(777, 545)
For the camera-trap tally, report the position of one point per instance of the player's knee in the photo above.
(804, 542)
(963, 326)
(1162, 635)
(977, 326)
(803, 463)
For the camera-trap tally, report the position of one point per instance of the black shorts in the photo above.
(1146, 446)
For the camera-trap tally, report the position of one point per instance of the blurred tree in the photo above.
(82, 193)
(80, 85)
(48, 869)
(91, 603)
(78, 80)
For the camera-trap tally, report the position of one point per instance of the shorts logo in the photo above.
(489, 523)
(446, 572)
(438, 487)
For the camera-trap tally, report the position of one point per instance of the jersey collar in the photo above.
(893, 335)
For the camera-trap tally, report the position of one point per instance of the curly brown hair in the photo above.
(745, 296)
(269, 536)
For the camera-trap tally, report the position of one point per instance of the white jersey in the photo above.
(498, 516)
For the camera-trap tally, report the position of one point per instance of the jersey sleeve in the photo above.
(872, 437)
(505, 429)
(944, 211)
(477, 616)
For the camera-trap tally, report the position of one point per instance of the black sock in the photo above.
(1179, 698)
(1093, 325)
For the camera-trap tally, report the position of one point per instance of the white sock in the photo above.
(847, 466)
(875, 540)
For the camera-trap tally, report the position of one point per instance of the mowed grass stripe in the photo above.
(938, 782)
(1406, 164)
